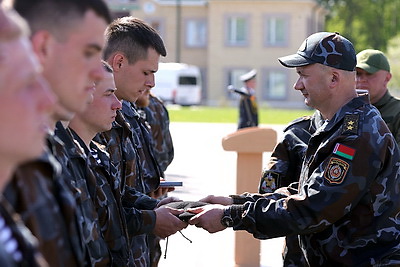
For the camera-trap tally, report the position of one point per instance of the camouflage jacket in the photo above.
(284, 165)
(248, 111)
(13, 229)
(40, 195)
(150, 170)
(107, 201)
(389, 107)
(156, 115)
(83, 185)
(347, 203)
(138, 207)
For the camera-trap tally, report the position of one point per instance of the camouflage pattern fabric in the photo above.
(150, 170)
(389, 107)
(284, 168)
(26, 253)
(138, 207)
(40, 195)
(347, 205)
(107, 201)
(248, 111)
(157, 117)
(285, 162)
(74, 167)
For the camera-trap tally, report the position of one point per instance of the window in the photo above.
(275, 85)
(196, 33)
(237, 31)
(276, 31)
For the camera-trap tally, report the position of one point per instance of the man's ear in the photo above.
(118, 61)
(335, 77)
(41, 45)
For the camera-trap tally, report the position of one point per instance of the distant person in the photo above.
(345, 208)
(373, 74)
(248, 110)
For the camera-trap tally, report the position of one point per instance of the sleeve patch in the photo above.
(336, 170)
(268, 182)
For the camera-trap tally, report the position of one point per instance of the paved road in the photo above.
(205, 168)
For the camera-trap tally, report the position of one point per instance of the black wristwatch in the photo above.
(226, 219)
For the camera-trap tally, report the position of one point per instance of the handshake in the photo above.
(207, 213)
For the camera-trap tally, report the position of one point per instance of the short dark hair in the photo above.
(51, 15)
(133, 37)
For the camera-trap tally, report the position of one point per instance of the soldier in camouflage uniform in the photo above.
(72, 39)
(105, 193)
(154, 112)
(373, 74)
(133, 50)
(155, 115)
(26, 104)
(346, 204)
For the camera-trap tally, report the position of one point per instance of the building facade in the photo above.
(227, 38)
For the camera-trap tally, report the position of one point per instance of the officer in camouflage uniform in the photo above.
(284, 168)
(49, 206)
(133, 50)
(373, 74)
(26, 103)
(346, 204)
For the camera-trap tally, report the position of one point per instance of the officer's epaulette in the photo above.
(350, 124)
(297, 121)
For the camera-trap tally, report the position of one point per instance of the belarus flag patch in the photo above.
(344, 151)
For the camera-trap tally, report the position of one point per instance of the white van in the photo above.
(178, 83)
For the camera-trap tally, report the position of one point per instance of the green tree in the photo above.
(367, 23)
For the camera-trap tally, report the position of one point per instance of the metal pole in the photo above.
(178, 31)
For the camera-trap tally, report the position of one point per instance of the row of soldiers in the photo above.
(89, 192)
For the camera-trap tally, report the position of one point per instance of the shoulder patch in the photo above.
(336, 170)
(350, 124)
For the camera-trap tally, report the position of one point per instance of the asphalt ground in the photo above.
(206, 168)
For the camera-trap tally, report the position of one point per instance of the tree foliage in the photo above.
(367, 23)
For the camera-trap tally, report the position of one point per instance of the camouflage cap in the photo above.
(327, 48)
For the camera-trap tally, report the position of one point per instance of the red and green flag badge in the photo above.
(344, 151)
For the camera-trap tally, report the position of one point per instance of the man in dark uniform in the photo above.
(284, 168)
(373, 74)
(133, 50)
(67, 36)
(345, 205)
(248, 110)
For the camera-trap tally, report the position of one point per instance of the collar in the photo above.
(384, 99)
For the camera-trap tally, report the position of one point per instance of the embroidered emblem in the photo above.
(336, 170)
(269, 179)
(350, 123)
(344, 151)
